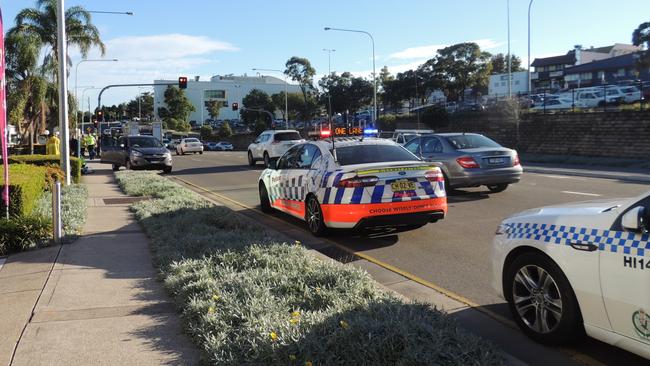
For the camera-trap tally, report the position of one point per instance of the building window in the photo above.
(620, 72)
(503, 83)
(496, 85)
(552, 68)
(214, 94)
(516, 82)
(571, 77)
(586, 76)
(601, 75)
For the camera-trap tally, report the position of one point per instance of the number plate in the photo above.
(496, 160)
(402, 185)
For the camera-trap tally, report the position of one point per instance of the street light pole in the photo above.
(63, 91)
(329, 73)
(509, 57)
(374, 76)
(286, 94)
(529, 76)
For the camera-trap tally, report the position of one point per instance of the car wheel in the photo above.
(177, 152)
(267, 160)
(251, 161)
(200, 152)
(116, 167)
(541, 300)
(314, 217)
(496, 188)
(167, 170)
(265, 204)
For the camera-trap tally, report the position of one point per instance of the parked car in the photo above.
(402, 136)
(558, 104)
(138, 152)
(224, 146)
(272, 144)
(631, 94)
(469, 160)
(189, 145)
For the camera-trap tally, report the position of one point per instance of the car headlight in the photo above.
(502, 229)
(167, 154)
(136, 153)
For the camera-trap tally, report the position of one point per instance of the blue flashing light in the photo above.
(370, 131)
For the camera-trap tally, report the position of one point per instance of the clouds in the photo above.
(145, 58)
(426, 52)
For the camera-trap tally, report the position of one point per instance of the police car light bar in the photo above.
(325, 133)
(370, 131)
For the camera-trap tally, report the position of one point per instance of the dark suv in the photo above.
(138, 152)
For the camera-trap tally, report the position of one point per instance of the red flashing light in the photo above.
(467, 162)
(325, 133)
(358, 182)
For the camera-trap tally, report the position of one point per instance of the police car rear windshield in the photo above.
(460, 142)
(366, 154)
(287, 136)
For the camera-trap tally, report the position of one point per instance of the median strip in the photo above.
(248, 297)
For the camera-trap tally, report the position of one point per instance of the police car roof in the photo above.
(353, 141)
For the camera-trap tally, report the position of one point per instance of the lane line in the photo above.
(583, 193)
(573, 355)
(558, 176)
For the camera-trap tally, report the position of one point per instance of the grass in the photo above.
(73, 207)
(248, 297)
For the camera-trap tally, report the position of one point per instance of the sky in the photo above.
(165, 39)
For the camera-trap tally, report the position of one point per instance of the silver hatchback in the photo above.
(469, 160)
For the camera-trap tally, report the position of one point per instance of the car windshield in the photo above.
(191, 140)
(470, 142)
(144, 142)
(365, 154)
(287, 136)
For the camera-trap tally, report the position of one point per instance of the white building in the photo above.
(499, 84)
(227, 89)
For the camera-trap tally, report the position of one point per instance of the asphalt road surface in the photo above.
(453, 253)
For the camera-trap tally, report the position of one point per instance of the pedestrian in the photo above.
(83, 146)
(90, 145)
(74, 145)
(53, 145)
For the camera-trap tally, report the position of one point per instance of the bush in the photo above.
(225, 132)
(52, 161)
(26, 184)
(387, 122)
(23, 233)
(206, 132)
(249, 299)
(73, 207)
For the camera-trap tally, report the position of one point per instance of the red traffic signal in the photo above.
(235, 106)
(182, 82)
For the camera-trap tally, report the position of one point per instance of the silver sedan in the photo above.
(469, 160)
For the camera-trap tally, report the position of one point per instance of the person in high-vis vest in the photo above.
(53, 145)
(90, 141)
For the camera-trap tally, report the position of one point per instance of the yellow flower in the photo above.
(344, 324)
(317, 289)
(292, 357)
(295, 314)
(297, 242)
(215, 297)
(293, 321)
(210, 310)
(308, 363)
(274, 336)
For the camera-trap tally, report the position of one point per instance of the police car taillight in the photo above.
(516, 161)
(358, 182)
(434, 176)
(467, 162)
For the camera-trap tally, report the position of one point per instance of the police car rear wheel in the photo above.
(314, 217)
(542, 300)
(265, 204)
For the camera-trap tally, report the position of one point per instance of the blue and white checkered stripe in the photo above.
(607, 240)
(378, 193)
(292, 189)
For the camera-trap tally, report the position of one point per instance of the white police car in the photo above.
(575, 268)
(355, 183)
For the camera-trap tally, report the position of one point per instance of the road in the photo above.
(453, 253)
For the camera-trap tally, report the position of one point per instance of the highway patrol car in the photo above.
(579, 267)
(353, 183)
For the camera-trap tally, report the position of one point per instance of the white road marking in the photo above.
(2, 261)
(559, 176)
(195, 159)
(583, 193)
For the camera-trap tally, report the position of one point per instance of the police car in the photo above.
(575, 268)
(352, 183)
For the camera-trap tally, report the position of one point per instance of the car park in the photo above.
(271, 144)
(365, 183)
(558, 104)
(189, 145)
(578, 268)
(223, 146)
(469, 160)
(138, 152)
(631, 94)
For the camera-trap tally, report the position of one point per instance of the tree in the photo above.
(179, 106)
(279, 102)
(256, 99)
(385, 78)
(206, 132)
(347, 93)
(214, 106)
(640, 37)
(140, 105)
(225, 131)
(300, 70)
(499, 64)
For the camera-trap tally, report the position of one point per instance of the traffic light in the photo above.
(100, 116)
(182, 82)
(235, 106)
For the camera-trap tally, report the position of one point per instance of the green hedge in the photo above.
(50, 160)
(23, 233)
(26, 184)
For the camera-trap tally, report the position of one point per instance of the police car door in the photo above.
(286, 184)
(296, 178)
(625, 275)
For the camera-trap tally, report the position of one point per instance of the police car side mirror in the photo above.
(633, 220)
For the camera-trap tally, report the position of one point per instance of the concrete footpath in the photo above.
(95, 301)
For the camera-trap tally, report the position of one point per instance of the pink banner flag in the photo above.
(3, 117)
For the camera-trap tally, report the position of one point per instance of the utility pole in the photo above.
(509, 57)
(63, 91)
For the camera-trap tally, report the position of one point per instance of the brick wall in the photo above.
(616, 134)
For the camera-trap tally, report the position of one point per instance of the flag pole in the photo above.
(3, 122)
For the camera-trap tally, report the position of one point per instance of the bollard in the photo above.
(56, 212)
